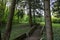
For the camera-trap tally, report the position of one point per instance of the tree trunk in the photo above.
(0, 34)
(34, 15)
(30, 15)
(18, 19)
(48, 22)
(9, 22)
(0, 31)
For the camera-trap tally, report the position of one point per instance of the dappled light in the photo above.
(29, 19)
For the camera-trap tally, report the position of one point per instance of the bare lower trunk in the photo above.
(30, 15)
(18, 19)
(0, 30)
(9, 22)
(48, 22)
(0, 34)
(34, 15)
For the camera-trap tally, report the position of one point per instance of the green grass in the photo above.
(56, 31)
(17, 30)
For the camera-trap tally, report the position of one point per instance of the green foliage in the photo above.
(56, 8)
(56, 20)
(2, 7)
(6, 14)
(20, 13)
(25, 19)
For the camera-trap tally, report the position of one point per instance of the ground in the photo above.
(18, 29)
(56, 31)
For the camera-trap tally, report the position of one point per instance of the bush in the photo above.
(56, 20)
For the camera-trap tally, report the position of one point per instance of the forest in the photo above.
(29, 19)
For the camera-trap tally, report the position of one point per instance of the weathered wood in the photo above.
(35, 35)
(22, 37)
(32, 30)
(25, 35)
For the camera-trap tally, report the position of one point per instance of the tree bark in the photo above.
(30, 15)
(48, 22)
(0, 34)
(9, 22)
(0, 29)
(34, 15)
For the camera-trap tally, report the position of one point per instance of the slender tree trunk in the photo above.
(0, 34)
(0, 30)
(48, 22)
(18, 19)
(30, 15)
(9, 22)
(34, 15)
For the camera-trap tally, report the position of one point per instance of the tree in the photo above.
(0, 34)
(0, 31)
(35, 5)
(48, 23)
(20, 14)
(9, 22)
(34, 15)
(56, 8)
(30, 15)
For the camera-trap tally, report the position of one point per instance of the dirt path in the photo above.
(35, 36)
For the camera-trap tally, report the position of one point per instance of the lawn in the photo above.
(56, 31)
(17, 30)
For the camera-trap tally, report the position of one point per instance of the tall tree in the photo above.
(30, 15)
(34, 15)
(48, 22)
(9, 22)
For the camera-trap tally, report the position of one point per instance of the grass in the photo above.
(17, 30)
(56, 31)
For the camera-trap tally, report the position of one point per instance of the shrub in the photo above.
(56, 20)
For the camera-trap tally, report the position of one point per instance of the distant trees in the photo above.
(9, 22)
(48, 23)
(20, 14)
(56, 8)
(34, 4)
